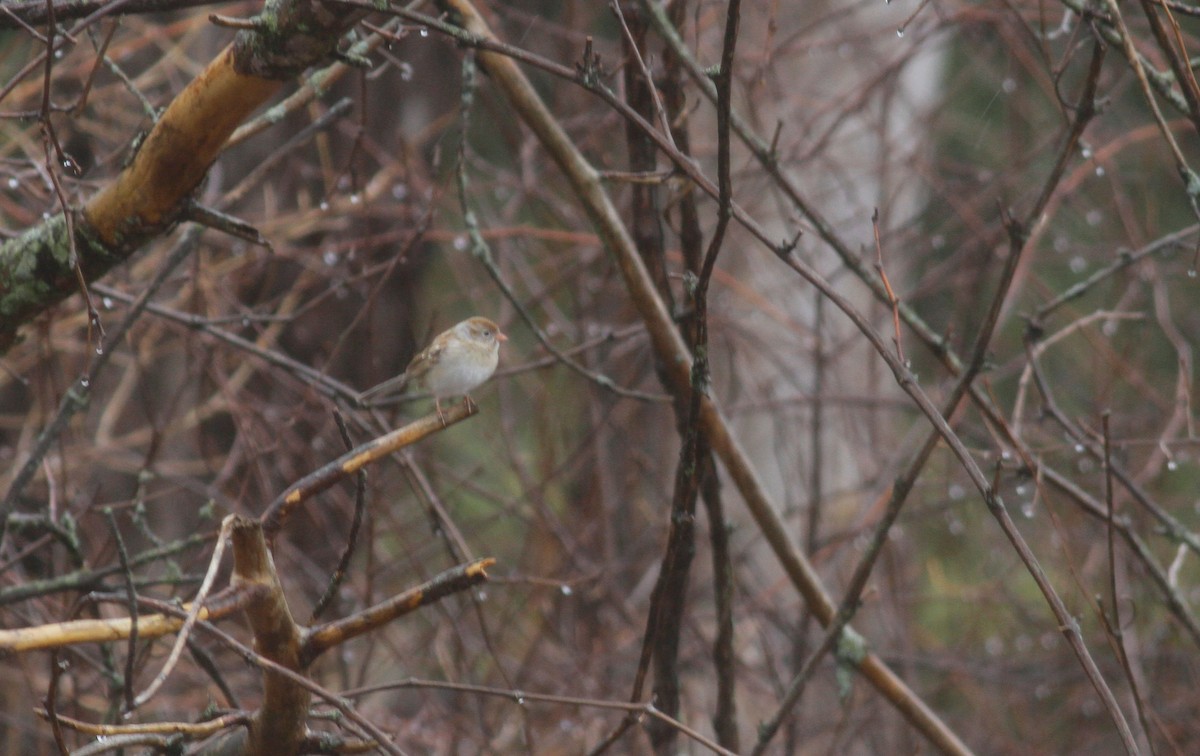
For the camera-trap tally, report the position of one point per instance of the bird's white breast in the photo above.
(452, 376)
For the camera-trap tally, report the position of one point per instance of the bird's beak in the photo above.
(501, 337)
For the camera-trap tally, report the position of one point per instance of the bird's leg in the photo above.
(471, 405)
(438, 404)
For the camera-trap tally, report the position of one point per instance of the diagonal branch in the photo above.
(673, 351)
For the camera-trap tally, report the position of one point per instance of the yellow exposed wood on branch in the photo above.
(89, 631)
(179, 150)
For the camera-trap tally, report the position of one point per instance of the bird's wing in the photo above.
(424, 361)
(417, 368)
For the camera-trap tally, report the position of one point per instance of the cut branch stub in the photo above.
(280, 723)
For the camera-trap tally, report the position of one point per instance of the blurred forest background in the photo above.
(991, 466)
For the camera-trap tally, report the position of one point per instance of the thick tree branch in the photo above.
(38, 269)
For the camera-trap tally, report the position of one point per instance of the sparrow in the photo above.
(458, 361)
